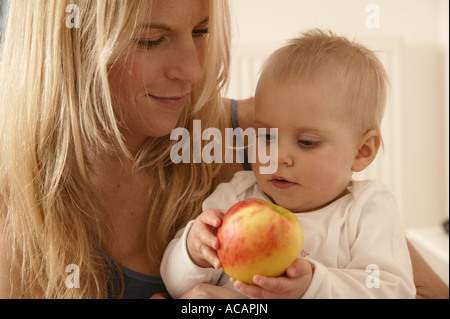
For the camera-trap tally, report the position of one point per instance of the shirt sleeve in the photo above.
(380, 266)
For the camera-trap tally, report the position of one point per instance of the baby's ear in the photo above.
(369, 144)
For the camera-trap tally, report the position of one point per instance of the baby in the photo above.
(326, 95)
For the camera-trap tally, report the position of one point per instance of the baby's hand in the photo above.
(292, 285)
(202, 242)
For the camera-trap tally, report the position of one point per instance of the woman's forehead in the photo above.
(170, 14)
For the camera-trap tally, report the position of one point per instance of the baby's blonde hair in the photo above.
(57, 114)
(358, 69)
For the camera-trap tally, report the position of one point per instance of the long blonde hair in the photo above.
(56, 109)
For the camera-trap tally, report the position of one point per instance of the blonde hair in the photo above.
(358, 69)
(56, 111)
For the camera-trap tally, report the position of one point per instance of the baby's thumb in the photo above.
(299, 268)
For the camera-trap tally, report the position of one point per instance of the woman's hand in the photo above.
(207, 291)
(428, 284)
(291, 286)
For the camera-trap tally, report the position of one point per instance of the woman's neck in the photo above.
(122, 191)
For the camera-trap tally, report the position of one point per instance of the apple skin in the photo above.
(258, 237)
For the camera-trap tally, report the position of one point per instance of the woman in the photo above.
(89, 197)
(86, 176)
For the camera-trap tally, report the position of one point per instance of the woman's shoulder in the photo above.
(245, 120)
(244, 111)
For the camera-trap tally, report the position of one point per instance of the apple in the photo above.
(258, 237)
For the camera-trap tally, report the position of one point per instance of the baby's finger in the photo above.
(211, 256)
(299, 268)
(212, 217)
(250, 290)
(208, 238)
(276, 284)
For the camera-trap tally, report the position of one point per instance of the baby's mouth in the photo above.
(281, 183)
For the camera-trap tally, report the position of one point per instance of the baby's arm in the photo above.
(186, 263)
(202, 242)
(179, 271)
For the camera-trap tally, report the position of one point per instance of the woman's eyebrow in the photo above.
(155, 26)
(204, 21)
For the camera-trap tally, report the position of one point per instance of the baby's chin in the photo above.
(287, 204)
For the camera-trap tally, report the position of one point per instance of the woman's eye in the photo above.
(308, 143)
(147, 44)
(200, 32)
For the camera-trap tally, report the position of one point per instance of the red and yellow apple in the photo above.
(258, 237)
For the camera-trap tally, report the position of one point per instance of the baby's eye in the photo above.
(308, 143)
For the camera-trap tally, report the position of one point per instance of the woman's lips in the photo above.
(281, 183)
(173, 103)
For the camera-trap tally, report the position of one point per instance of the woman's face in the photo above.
(150, 85)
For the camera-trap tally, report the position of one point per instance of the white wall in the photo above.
(416, 31)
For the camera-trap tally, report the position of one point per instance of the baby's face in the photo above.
(316, 145)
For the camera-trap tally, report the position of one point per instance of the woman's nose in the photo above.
(186, 63)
